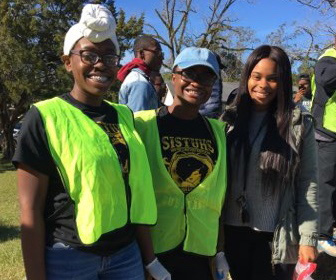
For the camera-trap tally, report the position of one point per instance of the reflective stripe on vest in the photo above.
(193, 218)
(91, 173)
(329, 116)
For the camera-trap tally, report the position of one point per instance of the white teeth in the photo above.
(262, 93)
(101, 79)
(193, 92)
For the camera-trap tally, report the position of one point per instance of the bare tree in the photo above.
(307, 40)
(216, 34)
(305, 43)
(324, 6)
(174, 16)
(299, 45)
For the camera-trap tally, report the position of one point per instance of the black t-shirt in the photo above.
(32, 150)
(188, 148)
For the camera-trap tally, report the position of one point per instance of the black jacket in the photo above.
(325, 80)
(213, 107)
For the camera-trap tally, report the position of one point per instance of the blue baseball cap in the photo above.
(193, 56)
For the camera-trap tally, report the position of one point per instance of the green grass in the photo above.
(11, 267)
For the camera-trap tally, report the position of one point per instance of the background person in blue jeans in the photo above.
(82, 207)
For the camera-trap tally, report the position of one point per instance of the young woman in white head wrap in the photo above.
(83, 177)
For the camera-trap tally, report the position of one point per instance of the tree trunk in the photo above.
(8, 144)
(9, 115)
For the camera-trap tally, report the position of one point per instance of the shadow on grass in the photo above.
(5, 165)
(9, 233)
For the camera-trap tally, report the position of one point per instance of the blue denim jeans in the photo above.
(65, 263)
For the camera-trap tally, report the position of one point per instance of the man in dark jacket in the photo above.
(324, 112)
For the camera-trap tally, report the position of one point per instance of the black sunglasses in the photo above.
(205, 78)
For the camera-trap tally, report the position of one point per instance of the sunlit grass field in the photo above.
(11, 267)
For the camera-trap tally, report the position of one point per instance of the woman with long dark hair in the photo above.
(271, 208)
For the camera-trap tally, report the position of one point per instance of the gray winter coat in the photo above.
(299, 208)
(297, 224)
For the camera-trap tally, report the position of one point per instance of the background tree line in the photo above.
(31, 42)
(32, 33)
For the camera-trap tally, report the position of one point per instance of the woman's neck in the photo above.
(260, 108)
(183, 112)
(88, 99)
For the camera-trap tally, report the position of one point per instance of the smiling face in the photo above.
(191, 93)
(263, 84)
(90, 81)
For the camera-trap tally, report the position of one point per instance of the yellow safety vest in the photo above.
(192, 218)
(329, 116)
(91, 172)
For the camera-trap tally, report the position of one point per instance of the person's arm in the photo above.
(156, 270)
(219, 263)
(220, 242)
(32, 190)
(145, 243)
(306, 195)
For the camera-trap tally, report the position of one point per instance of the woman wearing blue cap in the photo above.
(83, 176)
(187, 155)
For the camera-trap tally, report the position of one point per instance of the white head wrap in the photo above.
(97, 24)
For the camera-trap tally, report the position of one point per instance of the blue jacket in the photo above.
(213, 107)
(137, 92)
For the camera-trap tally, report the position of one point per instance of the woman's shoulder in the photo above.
(144, 118)
(145, 114)
(217, 124)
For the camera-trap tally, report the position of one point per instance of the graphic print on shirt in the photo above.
(188, 160)
(117, 140)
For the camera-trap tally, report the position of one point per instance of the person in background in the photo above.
(159, 85)
(270, 212)
(82, 206)
(213, 107)
(136, 90)
(187, 155)
(324, 111)
(303, 96)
